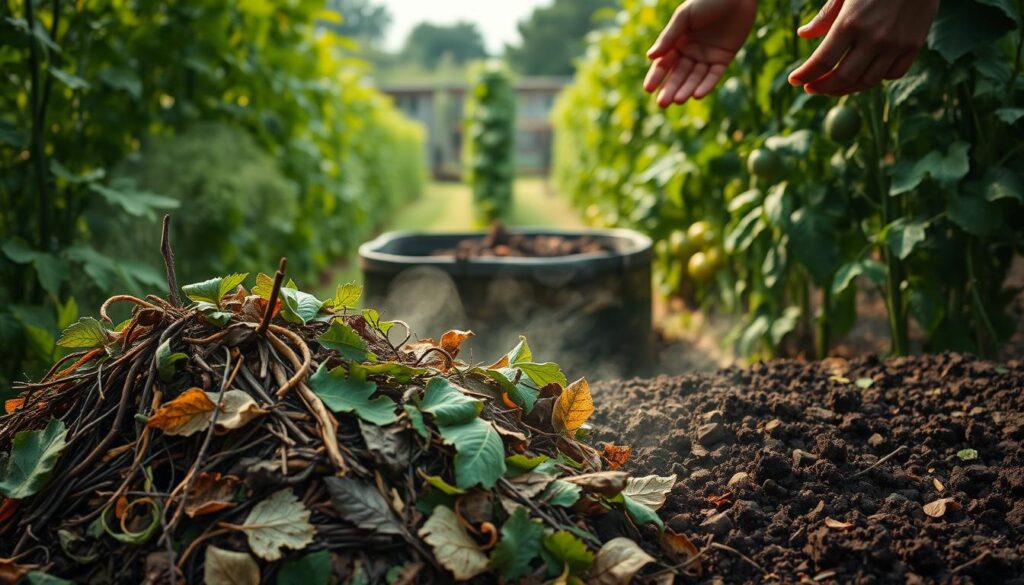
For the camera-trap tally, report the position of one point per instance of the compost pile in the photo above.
(498, 242)
(265, 435)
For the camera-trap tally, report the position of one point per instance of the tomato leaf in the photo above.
(562, 549)
(479, 453)
(33, 456)
(213, 290)
(299, 307)
(165, 361)
(345, 340)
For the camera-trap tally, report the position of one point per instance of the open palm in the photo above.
(695, 48)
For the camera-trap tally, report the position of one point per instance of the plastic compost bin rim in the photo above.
(373, 260)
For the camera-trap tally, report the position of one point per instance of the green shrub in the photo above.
(922, 198)
(489, 140)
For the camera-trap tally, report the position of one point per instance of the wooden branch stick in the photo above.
(168, 254)
(269, 314)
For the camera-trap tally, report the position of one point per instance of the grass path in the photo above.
(448, 207)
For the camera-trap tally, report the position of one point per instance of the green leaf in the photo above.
(416, 420)
(373, 318)
(165, 361)
(352, 394)
(50, 270)
(278, 522)
(86, 333)
(974, 214)
(797, 144)
(479, 453)
(520, 353)
(299, 307)
(519, 545)
(785, 324)
(965, 26)
(1010, 115)
(561, 493)
(1001, 183)
(904, 88)
(748, 228)
(952, 167)
(362, 504)
(400, 373)
(903, 236)
(132, 201)
(448, 405)
(264, 286)
(213, 314)
(213, 290)
(864, 383)
(519, 463)
(123, 79)
(61, 172)
(311, 569)
(967, 454)
(453, 548)
(565, 550)
(69, 79)
(347, 296)
(641, 513)
(848, 272)
(33, 456)
(440, 484)
(543, 374)
(40, 578)
(812, 241)
(11, 135)
(345, 340)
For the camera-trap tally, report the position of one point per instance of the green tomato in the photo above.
(764, 164)
(680, 245)
(701, 234)
(714, 258)
(700, 267)
(842, 123)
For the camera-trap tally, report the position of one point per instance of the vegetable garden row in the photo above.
(776, 202)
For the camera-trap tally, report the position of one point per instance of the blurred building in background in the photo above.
(439, 107)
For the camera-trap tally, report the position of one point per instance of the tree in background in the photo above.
(490, 137)
(363, 20)
(429, 43)
(554, 36)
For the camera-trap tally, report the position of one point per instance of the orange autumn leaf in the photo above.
(573, 407)
(616, 455)
(185, 415)
(7, 509)
(682, 548)
(452, 341)
(11, 572)
(13, 404)
(721, 500)
(210, 493)
(120, 507)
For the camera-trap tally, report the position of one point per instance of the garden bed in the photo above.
(779, 463)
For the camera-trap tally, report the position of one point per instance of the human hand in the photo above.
(866, 41)
(698, 43)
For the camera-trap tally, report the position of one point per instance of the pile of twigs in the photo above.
(231, 442)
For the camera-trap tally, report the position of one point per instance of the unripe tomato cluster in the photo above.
(698, 248)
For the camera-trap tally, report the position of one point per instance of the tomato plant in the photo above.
(490, 141)
(913, 189)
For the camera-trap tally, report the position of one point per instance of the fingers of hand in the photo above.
(823, 60)
(901, 65)
(674, 81)
(847, 75)
(714, 74)
(690, 85)
(659, 69)
(822, 22)
(671, 34)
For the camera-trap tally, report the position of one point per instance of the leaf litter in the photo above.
(267, 435)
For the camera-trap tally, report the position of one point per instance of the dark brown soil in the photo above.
(499, 242)
(806, 435)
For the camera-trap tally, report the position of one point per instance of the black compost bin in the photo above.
(590, 312)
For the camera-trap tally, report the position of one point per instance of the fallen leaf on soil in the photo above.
(722, 500)
(616, 455)
(225, 567)
(937, 509)
(683, 549)
(210, 493)
(606, 483)
(32, 459)
(938, 485)
(839, 379)
(837, 524)
(617, 562)
(363, 505)
(277, 522)
(573, 407)
(967, 454)
(453, 547)
(651, 490)
(185, 415)
(452, 341)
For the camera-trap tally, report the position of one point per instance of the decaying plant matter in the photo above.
(264, 435)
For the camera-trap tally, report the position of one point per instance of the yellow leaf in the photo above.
(185, 415)
(573, 407)
(938, 485)
(937, 509)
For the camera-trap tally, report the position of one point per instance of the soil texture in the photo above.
(499, 243)
(824, 472)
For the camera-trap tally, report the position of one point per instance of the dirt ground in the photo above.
(821, 472)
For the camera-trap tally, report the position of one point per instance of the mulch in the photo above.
(815, 474)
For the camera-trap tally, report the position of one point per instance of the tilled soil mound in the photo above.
(778, 463)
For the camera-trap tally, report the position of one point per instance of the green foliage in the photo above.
(352, 393)
(248, 121)
(519, 545)
(553, 37)
(30, 464)
(914, 187)
(489, 143)
(429, 44)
